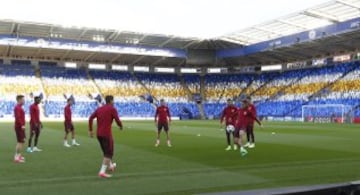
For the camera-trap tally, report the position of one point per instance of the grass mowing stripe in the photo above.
(301, 154)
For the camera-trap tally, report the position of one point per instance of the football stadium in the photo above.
(180, 97)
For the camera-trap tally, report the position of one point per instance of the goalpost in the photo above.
(327, 113)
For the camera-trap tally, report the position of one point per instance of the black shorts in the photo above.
(35, 129)
(69, 127)
(20, 135)
(250, 128)
(107, 146)
(164, 126)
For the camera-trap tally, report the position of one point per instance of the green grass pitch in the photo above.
(298, 154)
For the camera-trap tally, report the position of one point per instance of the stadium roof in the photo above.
(202, 19)
(318, 16)
(327, 13)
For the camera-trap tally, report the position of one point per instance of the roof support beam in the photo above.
(181, 63)
(142, 38)
(320, 15)
(231, 40)
(89, 56)
(166, 42)
(266, 30)
(81, 35)
(66, 54)
(38, 52)
(111, 36)
(348, 4)
(157, 61)
(116, 36)
(137, 60)
(115, 58)
(292, 24)
(7, 50)
(13, 26)
(190, 44)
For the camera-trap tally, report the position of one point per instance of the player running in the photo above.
(105, 116)
(251, 117)
(241, 125)
(162, 121)
(229, 114)
(69, 127)
(19, 126)
(35, 125)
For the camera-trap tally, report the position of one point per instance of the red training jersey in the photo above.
(242, 120)
(19, 114)
(34, 114)
(162, 114)
(67, 113)
(105, 116)
(252, 115)
(229, 114)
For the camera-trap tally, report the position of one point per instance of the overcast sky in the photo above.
(186, 18)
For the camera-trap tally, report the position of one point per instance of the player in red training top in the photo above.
(241, 125)
(19, 126)
(69, 127)
(250, 124)
(35, 125)
(105, 116)
(162, 121)
(229, 116)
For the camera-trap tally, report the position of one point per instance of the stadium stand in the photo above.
(276, 94)
(17, 78)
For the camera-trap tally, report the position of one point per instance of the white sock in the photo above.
(65, 142)
(103, 168)
(17, 155)
(73, 141)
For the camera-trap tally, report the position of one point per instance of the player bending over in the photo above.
(162, 121)
(241, 124)
(229, 114)
(251, 118)
(19, 126)
(35, 125)
(69, 127)
(105, 116)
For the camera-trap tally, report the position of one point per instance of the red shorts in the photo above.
(34, 128)
(239, 131)
(163, 125)
(69, 127)
(107, 146)
(20, 135)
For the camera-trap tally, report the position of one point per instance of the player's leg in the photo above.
(20, 137)
(112, 165)
(166, 129)
(66, 144)
(243, 151)
(252, 136)
(248, 137)
(73, 142)
(236, 138)
(107, 149)
(32, 133)
(36, 140)
(228, 141)
(159, 128)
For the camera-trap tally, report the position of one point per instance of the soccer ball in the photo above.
(230, 128)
